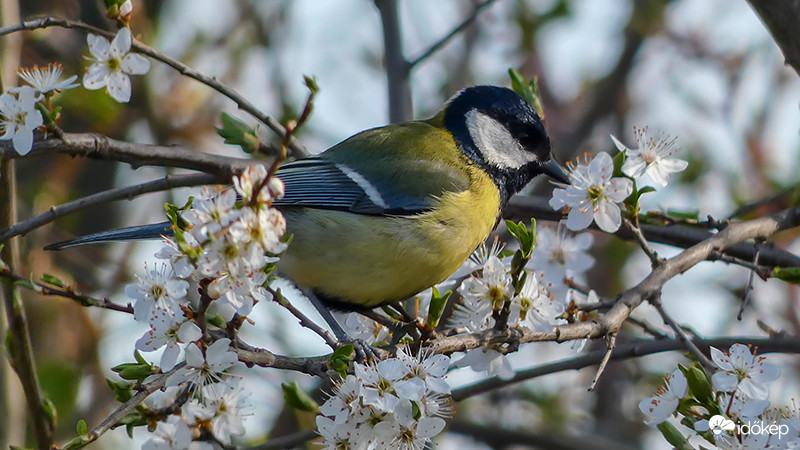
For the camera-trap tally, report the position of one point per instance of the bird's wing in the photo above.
(372, 175)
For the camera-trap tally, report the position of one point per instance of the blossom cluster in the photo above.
(397, 403)
(228, 246)
(595, 193)
(730, 409)
(112, 63)
(19, 116)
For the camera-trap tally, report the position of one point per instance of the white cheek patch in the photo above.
(364, 184)
(496, 143)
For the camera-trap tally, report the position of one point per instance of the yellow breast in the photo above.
(371, 260)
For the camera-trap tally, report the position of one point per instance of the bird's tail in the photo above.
(152, 231)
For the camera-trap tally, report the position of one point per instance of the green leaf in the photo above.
(693, 215)
(787, 274)
(82, 427)
(236, 132)
(619, 160)
(674, 436)
(699, 384)
(298, 399)
(311, 84)
(436, 308)
(123, 390)
(138, 371)
(527, 90)
(53, 280)
(340, 359)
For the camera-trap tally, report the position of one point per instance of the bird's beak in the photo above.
(556, 172)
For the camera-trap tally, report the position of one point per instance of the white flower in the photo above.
(363, 328)
(665, 402)
(380, 381)
(158, 291)
(46, 79)
(593, 194)
(559, 256)
(228, 405)
(174, 434)
(481, 256)
(169, 333)
(339, 436)
(429, 367)
(415, 434)
(181, 264)
(493, 287)
(263, 228)
(651, 157)
(19, 117)
(535, 305)
(743, 371)
(739, 407)
(209, 214)
(489, 360)
(253, 178)
(202, 370)
(345, 402)
(112, 65)
(126, 8)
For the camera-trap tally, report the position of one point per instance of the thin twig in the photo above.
(763, 272)
(690, 345)
(66, 292)
(648, 328)
(116, 417)
(655, 260)
(749, 288)
(45, 22)
(611, 341)
(128, 192)
(464, 24)
(326, 336)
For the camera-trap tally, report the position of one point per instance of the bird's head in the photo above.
(502, 134)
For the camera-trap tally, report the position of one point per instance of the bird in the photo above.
(394, 210)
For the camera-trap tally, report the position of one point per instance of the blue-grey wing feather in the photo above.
(318, 183)
(152, 231)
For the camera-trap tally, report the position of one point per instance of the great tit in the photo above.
(394, 210)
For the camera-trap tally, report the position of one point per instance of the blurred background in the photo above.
(705, 71)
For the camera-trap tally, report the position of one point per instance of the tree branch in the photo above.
(97, 146)
(622, 352)
(397, 68)
(170, 181)
(443, 41)
(629, 300)
(45, 22)
(525, 207)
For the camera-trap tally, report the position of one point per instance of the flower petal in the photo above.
(608, 217)
(98, 46)
(121, 43)
(96, 76)
(579, 218)
(135, 64)
(119, 87)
